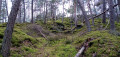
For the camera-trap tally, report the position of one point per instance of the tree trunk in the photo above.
(119, 2)
(116, 12)
(51, 9)
(75, 11)
(104, 15)
(12, 1)
(9, 29)
(32, 12)
(63, 12)
(24, 12)
(45, 14)
(85, 16)
(91, 12)
(112, 20)
(52, 12)
(0, 6)
(95, 8)
(19, 15)
(3, 17)
(6, 10)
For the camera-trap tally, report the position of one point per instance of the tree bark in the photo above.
(75, 12)
(112, 20)
(85, 16)
(116, 12)
(45, 11)
(104, 15)
(19, 15)
(9, 29)
(32, 12)
(6, 11)
(119, 2)
(95, 8)
(91, 12)
(0, 6)
(63, 12)
(80, 52)
(53, 11)
(24, 11)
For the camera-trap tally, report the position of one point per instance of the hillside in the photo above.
(62, 40)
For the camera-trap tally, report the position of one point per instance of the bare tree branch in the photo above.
(101, 13)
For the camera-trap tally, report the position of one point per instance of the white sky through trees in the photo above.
(9, 5)
(60, 8)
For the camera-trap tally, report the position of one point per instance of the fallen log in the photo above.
(80, 51)
(84, 47)
(100, 13)
(94, 55)
(40, 30)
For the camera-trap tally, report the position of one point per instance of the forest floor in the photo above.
(61, 41)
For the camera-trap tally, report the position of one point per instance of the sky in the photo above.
(9, 5)
(60, 7)
(28, 11)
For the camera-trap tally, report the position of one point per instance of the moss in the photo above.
(66, 45)
(64, 51)
(1, 35)
(22, 51)
(68, 41)
(3, 25)
(2, 32)
(91, 50)
(16, 55)
(19, 37)
(41, 41)
(0, 55)
(105, 44)
(98, 25)
(59, 27)
(78, 30)
(28, 49)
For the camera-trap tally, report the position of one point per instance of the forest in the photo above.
(59, 28)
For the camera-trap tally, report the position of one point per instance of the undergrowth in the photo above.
(62, 43)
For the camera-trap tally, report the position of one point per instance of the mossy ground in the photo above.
(27, 43)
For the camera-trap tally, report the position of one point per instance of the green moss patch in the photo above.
(104, 45)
